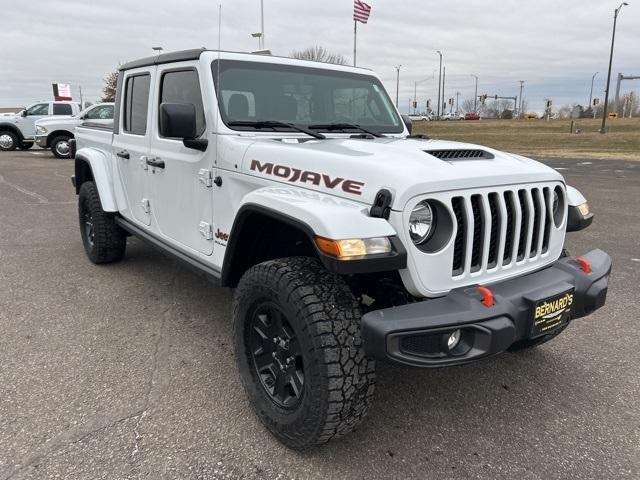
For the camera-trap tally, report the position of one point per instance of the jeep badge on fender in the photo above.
(347, 241)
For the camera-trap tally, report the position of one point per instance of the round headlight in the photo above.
(422, 223)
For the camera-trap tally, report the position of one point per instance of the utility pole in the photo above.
(262, 24)
(457, 102)
(591, 93)
(520, 106)
(81, 102)
(397, 82)
(444, 75)
(439, 83)
(606, 93)
(475, 97)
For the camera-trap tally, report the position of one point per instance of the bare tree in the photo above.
(318, 53)
(468, 105)
(109, 90)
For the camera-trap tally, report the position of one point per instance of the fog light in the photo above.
(454, 339)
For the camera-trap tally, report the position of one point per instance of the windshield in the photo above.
(316, 97)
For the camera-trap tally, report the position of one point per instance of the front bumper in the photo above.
(411, 334)
(41, 141)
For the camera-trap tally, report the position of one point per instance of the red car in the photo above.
(471, 116)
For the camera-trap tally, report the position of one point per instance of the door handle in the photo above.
(123, 154)
(155, 162)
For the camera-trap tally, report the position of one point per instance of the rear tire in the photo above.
(299, 351)
(8, 141)
(103, 240)
(60, 147)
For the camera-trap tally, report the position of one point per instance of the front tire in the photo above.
(103, 240)
(299, 351)
(8, 141)
(60, 147)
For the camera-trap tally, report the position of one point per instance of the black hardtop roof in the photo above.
(179, 56)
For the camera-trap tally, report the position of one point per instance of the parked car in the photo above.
(347, 240)
(55, 132)
(423, 117)
(452, 116)
(18, 130)
(471, 116)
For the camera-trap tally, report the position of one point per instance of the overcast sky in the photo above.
(554, 45)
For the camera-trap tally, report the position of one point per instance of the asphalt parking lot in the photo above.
(127, 371)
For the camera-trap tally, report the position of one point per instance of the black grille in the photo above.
(536, 222)
(547, 224)
(524, 208)
(508, 246)
(457, 204)
(426, 345)
(495, 230)
(478, 233)
(459, 154)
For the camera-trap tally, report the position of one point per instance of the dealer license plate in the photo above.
(551, 313)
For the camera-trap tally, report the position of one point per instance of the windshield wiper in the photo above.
(274, 124)
(343, 126)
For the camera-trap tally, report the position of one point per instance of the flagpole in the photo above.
(355, 33)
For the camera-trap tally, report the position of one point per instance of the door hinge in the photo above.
(206, 230)
(146, 206)
(206, 177)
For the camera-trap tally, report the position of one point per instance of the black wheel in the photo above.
(60, 146)
(26, 145)
(299, 351)
(531, 343)
(8, 140)
(103, 240)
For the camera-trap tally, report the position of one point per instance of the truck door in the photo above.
(35, 112)
(130, 145)
(181, 192)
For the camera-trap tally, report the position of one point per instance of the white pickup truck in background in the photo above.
(55, 132)
(18, 130)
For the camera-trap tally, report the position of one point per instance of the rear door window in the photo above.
(62, 109)
(136, 104)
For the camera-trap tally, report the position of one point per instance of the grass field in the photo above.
(540, 138)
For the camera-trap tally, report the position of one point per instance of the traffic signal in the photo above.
(596, 101)
(496, 97)
(415, 104)
(483, 98)
(549, 103)
(428, 104)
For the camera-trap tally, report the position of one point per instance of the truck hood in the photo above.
(358, 168)
(59, 121)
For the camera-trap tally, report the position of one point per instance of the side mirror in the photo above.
(23, 113)
(178, 120)
(407, 122)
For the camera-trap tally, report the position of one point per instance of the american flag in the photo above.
(361, 11)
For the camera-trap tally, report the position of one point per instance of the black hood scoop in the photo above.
(460, 154)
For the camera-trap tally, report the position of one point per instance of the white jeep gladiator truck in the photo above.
(18, 130)
(55, 132)
(347, 239)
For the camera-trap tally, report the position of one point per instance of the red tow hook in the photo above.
(586, 266)
(487, 297)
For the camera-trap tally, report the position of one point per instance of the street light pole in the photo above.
(606, 93)
(439, 82)
(520, 105)
(475, 98)
(262, 23)
(591, 93)
(397, 82)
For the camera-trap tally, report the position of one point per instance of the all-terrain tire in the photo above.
(534, 342)
(9, 140)
(60, 147)
(103, 240)
(324, 315)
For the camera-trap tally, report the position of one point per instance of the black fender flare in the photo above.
(396, 260)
